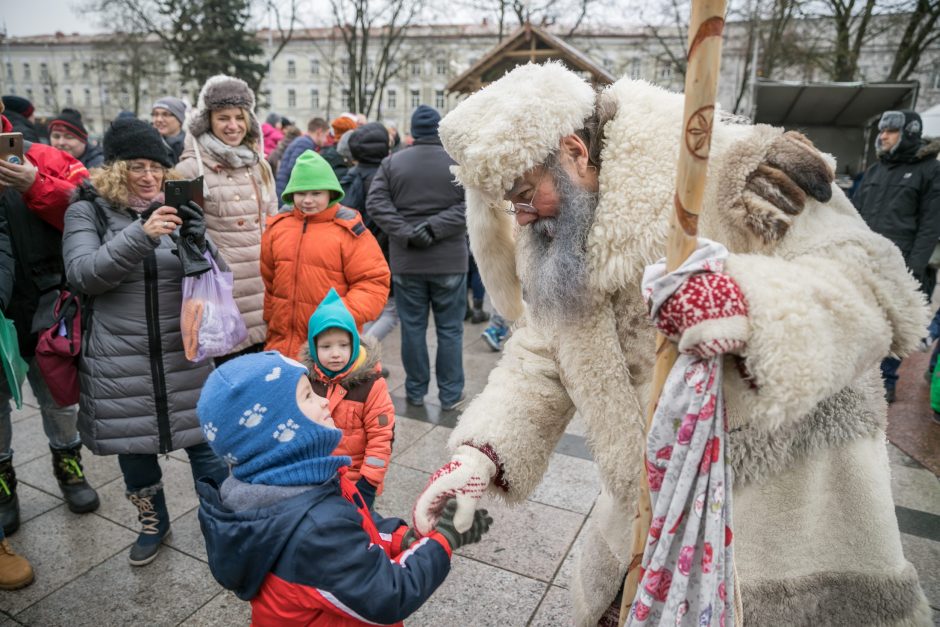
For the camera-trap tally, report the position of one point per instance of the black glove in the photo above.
(366, 491)
(194, 224)
(422, 236)
(445, 526)
(410, 537)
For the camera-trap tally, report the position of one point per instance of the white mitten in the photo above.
(465, 477)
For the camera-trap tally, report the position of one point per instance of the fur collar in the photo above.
(366, 370)
(929, 148)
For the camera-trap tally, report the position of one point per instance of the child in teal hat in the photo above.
(345, 369)
(314, 245)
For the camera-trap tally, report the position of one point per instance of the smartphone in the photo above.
(11, 147)
(179, 192)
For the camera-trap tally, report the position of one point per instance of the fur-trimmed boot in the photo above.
(15, 570)
(67, 467)
(477, 314)
(9, 502)
(155, 523)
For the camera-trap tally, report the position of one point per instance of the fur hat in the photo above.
(248, 412)
(222, 92)
(71, 121)
(507, 127)
(130, 138)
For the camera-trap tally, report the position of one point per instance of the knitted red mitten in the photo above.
(707, 316)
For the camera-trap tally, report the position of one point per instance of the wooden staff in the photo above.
(701, 86)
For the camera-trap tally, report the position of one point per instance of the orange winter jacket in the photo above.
(362, 407)
(303, 256)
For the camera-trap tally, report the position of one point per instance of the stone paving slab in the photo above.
(554, 610)
(224, 609)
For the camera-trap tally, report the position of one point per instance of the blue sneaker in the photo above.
(494, 337)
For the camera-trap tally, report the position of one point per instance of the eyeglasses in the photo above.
(140, 170)
(526, 207)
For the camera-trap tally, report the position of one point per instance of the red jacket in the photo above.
(59, 174)
(303, 256)
(361, 406)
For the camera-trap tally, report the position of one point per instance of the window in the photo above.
(441, 67)
(392, 99)
(344, 66)
(608, 64)
(27, 72)
(46, 96)
(43, 71)
(87, 96)
(86, 70)
(314, 67)
(124, 98)
(29, 94)
(105, 96)
(416, 68)
(67, 70)
(439, 99)
(291, 68)
(665, 72)
(314, 99)
(291, 98)
(935, 80)
(9, 71)
(347, 100)
(635, 69)
(415, 98)
(68, 98)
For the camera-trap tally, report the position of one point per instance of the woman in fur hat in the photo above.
(224, 146)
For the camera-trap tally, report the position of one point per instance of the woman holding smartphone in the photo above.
(224, 146)
(138, 390)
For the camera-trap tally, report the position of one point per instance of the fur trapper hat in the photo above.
(507, 127)
(221, 92)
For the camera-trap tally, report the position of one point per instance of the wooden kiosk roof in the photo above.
(527, 44)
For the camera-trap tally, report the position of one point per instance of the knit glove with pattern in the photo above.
(456, 539)
(707, 316)
(464, 478)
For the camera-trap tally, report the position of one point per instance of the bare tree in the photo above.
(920, 33)
(511, 14)
(372, 36)
(129, 63)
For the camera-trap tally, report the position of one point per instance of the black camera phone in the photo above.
(179, 192)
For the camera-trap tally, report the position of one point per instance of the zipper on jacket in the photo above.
(152, 303)
(293, 295)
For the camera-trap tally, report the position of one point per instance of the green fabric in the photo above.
(14, 368)
(312, 173)
(935, 390)
(332, 314)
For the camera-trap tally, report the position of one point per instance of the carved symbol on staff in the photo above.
(698, 132)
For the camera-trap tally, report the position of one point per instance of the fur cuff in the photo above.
(728, 335)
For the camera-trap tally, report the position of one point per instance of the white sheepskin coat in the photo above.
(817, 541)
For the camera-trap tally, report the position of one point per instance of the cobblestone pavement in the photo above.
(514, 577)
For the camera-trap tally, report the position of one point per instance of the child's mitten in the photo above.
(445, 526)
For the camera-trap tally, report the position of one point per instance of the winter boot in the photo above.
(478, 315)
(154, 521)
(15, 570)
(9, 502)
(67, 467)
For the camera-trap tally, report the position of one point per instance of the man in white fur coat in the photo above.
(590, 179)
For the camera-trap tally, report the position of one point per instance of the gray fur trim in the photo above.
(756, 454)
(837, 598)
(145, 492)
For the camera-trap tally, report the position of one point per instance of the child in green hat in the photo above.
(315, 245)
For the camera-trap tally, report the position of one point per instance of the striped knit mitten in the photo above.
(707, 316)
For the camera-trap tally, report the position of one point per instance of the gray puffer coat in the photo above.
(138, 390)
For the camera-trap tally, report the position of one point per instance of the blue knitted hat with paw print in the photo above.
(249, 416)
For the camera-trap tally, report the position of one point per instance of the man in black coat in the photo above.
(899, 197)
(416, 202)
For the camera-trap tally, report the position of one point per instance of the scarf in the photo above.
(233, 156)
(688, 561)
(140, 205)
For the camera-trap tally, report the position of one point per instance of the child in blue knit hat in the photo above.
(345, 368)
(287, 530)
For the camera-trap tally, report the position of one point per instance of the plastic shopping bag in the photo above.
(14, 368)
(210, 321)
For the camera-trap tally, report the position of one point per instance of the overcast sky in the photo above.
(41, 17)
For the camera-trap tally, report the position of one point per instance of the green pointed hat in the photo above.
(311, 173)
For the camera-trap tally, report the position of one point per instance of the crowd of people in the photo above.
(335, 234)
(289, 215)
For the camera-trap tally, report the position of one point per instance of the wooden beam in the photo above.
(533, 53)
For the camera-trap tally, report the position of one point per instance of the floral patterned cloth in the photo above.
(688, 561)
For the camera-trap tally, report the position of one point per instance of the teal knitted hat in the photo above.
(248, 412)
(332, 314)
(312, 173)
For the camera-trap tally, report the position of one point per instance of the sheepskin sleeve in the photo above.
(833, 301)
(521, 413)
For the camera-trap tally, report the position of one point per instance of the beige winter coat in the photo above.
(236, 203)
(817, 541)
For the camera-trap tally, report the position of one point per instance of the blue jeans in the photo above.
(476, 281)
(889, 371)
(143, 470)
(59, 423)
(446, 296)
